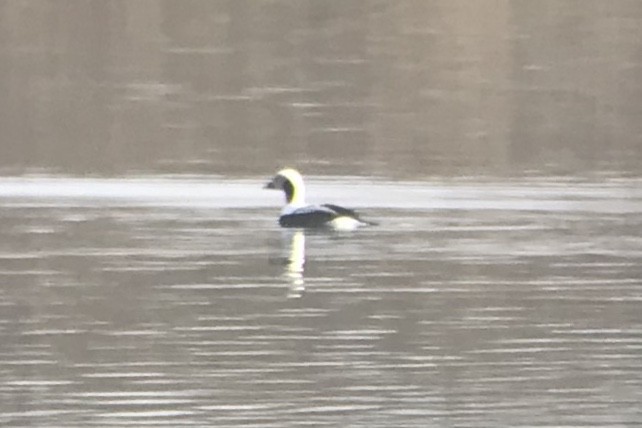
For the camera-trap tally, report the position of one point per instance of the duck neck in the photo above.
(294, 194)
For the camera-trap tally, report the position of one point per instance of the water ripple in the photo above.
(170, 305)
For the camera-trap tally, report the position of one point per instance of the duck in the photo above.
(298, 214)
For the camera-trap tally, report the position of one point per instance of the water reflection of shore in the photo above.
(94, 118)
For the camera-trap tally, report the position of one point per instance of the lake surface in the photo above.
(178, 301)
(144, 280)
(402, 89)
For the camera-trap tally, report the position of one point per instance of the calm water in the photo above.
(144, 280)
(180, 302)
(367, 87)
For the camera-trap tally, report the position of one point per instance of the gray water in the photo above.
(144, 280)
(402, 89)
(174, 301)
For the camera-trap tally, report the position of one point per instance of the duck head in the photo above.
(290, 181)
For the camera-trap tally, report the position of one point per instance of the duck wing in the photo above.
(347, 212)
(341, 211)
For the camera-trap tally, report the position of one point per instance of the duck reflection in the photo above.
(290, 254)
(295, 262)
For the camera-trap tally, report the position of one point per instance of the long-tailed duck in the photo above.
(296, 213)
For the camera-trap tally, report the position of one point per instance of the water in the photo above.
(239, 88)
(144, 279)
(178, 301)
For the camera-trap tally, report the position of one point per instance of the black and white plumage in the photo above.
(296, 213)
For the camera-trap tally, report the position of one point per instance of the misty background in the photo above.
(398, 89)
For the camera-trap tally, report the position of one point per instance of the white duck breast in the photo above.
(297, 214)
